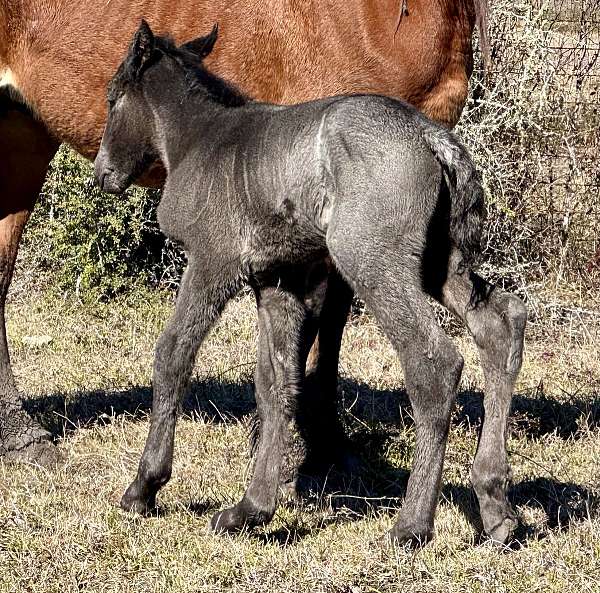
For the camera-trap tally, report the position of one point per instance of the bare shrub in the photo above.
(533, 128)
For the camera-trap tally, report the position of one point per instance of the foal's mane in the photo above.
(200, 80)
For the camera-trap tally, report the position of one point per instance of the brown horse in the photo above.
(54, 68)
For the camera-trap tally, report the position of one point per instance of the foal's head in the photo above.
(154, 68)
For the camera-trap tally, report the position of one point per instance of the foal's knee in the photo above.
(165, 346)
(169, 359)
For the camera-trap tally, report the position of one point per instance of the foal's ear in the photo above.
(203, 45)
(141, 49)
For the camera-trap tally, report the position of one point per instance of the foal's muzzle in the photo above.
(110, 180)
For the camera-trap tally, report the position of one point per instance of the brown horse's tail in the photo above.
(482, 14)
(467, 206)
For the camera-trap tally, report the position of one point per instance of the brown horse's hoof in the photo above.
(42, 453)
(23, 440)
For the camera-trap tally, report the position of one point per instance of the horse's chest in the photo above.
(173, 217)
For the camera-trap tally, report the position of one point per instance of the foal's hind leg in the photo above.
(278, 376)
(199, 305)
(497, 322)
(432, 369)
(390, 284)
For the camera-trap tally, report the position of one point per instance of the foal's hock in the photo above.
(255, 192)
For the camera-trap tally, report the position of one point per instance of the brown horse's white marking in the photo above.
(7, 78)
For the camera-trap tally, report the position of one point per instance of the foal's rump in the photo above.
(401, 183)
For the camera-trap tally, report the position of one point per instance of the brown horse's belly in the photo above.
(445, 102)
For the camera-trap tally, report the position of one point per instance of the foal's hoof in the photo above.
(239, 516)
(404, 537)
(502, 532)
(43, 454)
(132, 502)
(228, 521)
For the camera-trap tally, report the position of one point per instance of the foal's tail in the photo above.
(467, 207)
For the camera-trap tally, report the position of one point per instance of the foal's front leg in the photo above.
(278, 375)
(198, 307)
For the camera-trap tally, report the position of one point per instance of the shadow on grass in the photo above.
(375, 418)
(212, 400)
(563, 504)
(380, 487)
(533, 413)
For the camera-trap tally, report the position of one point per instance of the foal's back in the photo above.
(280, 173)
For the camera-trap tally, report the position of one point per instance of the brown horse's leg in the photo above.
(496, 320)
(25, 152)
(320, 440)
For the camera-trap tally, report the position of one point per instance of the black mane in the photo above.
(200, 80)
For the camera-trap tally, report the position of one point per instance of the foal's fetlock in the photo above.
(501, 531)
(497, 515)
(138, 500)
(498, 518)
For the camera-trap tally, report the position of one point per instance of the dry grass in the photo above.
(61, 530)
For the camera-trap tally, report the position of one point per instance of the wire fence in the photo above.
(534, 127)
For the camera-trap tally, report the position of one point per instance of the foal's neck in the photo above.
(179, 117)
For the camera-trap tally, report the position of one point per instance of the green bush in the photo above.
(95, 244)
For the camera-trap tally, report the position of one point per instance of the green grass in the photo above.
(87, 369)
